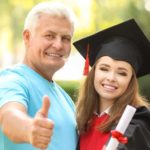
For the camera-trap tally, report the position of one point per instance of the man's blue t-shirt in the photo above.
(24, 85)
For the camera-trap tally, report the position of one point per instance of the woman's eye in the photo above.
(123, 73)
(103, 69)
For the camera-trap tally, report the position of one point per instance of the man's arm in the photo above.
(14, 122)
(19, 127)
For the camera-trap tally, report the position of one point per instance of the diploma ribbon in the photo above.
(119, 136)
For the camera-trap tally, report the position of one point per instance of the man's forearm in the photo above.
(16, 125)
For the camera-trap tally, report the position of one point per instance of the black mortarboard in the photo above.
(124, 41)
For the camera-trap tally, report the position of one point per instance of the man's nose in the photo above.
(57, 43)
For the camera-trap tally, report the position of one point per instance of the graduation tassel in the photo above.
(86, 66)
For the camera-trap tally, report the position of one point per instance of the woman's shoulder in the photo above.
(142, 117)
(142, 111)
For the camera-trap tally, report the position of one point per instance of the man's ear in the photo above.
(26, 36)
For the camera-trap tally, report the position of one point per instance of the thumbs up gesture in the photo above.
(42, 127)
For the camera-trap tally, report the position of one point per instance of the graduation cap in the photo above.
(124, 41)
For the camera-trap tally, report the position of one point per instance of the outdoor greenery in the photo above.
(144, 83)
(71, 87)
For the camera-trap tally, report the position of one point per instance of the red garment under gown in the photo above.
(94, 139)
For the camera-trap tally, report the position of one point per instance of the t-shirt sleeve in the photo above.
(13, 90)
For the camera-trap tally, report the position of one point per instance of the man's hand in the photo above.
(42, 127)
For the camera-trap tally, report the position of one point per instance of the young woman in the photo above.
(117, 55)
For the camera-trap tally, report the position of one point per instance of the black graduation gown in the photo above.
(138, 131)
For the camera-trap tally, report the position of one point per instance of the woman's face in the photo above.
(112, 78)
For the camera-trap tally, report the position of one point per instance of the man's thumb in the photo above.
(45, 106)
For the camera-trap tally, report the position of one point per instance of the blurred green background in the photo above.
(92, 16)
(71, 87)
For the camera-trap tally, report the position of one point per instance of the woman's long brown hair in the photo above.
(88, 102)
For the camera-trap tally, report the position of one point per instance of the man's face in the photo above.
(49, 45)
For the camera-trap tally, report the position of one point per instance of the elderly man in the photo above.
(34, 111)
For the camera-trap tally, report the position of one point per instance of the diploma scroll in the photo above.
(122, 126)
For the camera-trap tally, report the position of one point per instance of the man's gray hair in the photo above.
(51, 8)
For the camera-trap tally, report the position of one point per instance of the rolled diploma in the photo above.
(122, 126)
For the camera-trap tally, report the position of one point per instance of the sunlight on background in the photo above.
(73, 69)
(85, 8)
(6, 58)
(147, 5)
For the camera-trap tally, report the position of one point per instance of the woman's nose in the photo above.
(111, 76)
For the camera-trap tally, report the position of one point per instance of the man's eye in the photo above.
(49, 36)
(67, 39)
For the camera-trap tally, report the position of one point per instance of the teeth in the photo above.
(54, 55)
(109, 87)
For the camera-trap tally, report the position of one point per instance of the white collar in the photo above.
(106, 111)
